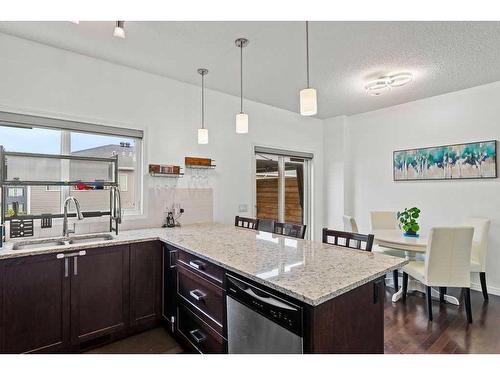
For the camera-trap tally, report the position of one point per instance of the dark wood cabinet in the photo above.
(201, 267)
(145, 285)
(352, 323)
(196, 332)
(199, 303)
(34, 304)
(203, 296)
(99, 295)
(72, 301)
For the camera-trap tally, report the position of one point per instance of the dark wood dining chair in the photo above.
(246, 222)
(348, 239)
(290, 230)
(266, 225)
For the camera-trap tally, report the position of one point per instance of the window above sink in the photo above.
(53, 136)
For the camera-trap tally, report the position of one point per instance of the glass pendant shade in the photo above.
(308, 102)
(241, 123)
(119, 30)
(202, 136)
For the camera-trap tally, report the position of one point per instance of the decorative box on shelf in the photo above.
(199, 163)
(157, 170)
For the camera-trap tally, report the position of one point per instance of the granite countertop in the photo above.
(309, 271)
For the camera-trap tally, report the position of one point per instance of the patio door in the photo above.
(282, 186)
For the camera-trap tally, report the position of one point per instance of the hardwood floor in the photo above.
(407, 329)
(154, 341)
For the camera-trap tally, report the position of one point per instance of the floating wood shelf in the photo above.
(199, 163)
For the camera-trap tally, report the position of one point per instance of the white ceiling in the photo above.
(443, 56)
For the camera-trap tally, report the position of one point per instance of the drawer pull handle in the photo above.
(198, 335)
(66, 267)
(197, 294)
(198, 264)
(172, 254)
(70, 255)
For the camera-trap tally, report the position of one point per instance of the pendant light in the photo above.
(308, 99)
(202, 132)
(242, 117)
(119, 31)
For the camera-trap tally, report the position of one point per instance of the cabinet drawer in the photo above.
(201, 267)
(198, 333)
(204, 295)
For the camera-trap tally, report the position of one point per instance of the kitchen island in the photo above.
(339, 291)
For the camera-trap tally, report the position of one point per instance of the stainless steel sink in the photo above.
(87, 238)
(37, 244)
(60, 241)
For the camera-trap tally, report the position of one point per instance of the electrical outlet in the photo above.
(243, 208)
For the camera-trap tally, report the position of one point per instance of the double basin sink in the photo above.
(61, 241)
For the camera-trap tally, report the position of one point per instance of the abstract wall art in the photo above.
(451, 162)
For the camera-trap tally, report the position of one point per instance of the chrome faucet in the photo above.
(79, 216)
(117, 205)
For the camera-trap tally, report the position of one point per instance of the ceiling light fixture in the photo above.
(242, 117)
(202, 132)
(384, 84)
(308, 97)
(119, 31)
(401, 79)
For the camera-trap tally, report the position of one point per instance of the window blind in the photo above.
(28, 121)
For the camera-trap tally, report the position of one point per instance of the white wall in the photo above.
(334, 175)
(41, 79)
(370, 138)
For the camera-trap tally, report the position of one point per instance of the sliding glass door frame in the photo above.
(283, 155)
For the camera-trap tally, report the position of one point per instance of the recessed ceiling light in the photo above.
(384, 84)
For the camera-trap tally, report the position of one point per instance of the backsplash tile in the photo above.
(197, 204)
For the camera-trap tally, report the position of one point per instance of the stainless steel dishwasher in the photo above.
(259, 322)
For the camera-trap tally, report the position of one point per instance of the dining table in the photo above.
(411, 248)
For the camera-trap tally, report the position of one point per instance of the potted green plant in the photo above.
(408, 221)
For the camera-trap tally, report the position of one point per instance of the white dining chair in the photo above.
(383, 220)
(447, 264)
(479, 249)
(350, 224)
(386, 220)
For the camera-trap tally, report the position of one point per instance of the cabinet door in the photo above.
(145, 285)
(99, 295)
(34, 305)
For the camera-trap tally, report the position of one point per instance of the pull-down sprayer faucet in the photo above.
(79, 216)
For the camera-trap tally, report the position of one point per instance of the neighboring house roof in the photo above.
(125, 154)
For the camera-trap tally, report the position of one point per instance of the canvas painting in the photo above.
(452, 162)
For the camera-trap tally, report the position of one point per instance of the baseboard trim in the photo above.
(491, 289)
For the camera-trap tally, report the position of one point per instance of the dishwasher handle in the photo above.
(264, 297)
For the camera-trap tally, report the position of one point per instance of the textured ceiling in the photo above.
(443, 56)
